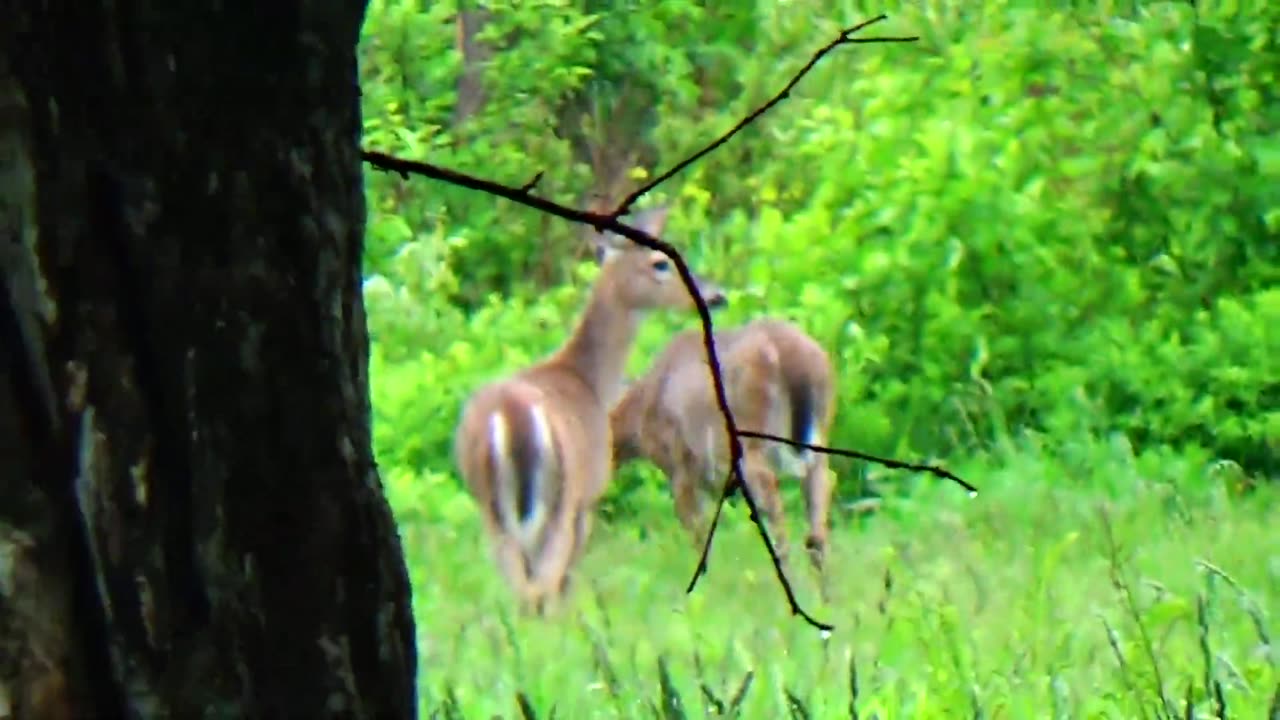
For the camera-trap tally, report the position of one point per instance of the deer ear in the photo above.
(606, 245)
(651, 220)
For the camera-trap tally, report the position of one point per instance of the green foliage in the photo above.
(408, 80)
(1033, 219)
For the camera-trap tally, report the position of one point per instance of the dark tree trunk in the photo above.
(191, 522)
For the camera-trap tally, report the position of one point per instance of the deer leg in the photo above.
(763, 484)
(581, 529)
(536, 606)
(515, 570)
(684, 488)
(817, 497)
(554, 558)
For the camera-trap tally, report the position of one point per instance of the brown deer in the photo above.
(777, 379)
(535, 448)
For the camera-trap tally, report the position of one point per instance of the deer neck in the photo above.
(598, 349)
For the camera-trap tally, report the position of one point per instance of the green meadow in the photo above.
(1080, 583)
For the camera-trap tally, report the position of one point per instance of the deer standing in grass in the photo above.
(777, 379)
(535, 448)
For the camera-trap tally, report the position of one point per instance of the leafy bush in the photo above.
(1052, 219)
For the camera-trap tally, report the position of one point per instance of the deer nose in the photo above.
(716, 299)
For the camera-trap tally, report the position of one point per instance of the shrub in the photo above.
(1036, 218)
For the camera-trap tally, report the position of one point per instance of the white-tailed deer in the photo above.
(777, 379)
(535, 448)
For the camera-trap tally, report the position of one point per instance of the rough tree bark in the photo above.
(191, 522)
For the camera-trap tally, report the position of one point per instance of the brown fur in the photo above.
(554, 447)
(778, 380)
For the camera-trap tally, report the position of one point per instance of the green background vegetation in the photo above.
(1043, 248)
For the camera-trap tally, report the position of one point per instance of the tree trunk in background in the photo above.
(475, 56)
(191, 522)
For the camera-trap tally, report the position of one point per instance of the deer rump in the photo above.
(524, 460)
(536, 494)
(776, 381)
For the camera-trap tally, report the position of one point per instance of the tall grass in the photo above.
(1081, 582)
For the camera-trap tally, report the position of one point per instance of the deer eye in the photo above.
(662, 265)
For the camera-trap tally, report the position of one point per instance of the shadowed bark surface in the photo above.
(191, 522)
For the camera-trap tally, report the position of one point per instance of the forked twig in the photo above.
(610, 222)
(846, 37)
(734, 481)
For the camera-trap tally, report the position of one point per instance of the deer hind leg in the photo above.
(817, 496)
(581, 530)
(682, 477)
(763, 484)
(515, 568)
(551, 564)
(688, 503)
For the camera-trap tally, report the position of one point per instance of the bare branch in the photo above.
(844, 38)
(890, 463)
